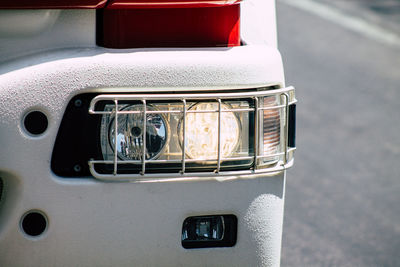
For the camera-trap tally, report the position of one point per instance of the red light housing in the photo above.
(118, 4)
(169, 27)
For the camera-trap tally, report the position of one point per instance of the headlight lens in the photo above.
(164, 134)
(191, 135)
(201, 139)
(130, 133)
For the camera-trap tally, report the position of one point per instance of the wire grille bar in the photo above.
(163, 161)
(116, 140)
(177, 97)
(219, 136)
(184, 137)
(256, 131)
(143, 138)
(284, 155)
(187, 111)
(286, 133)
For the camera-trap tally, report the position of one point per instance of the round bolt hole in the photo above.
(78, 103)
(36, 122)
(77, 168)
(33, 223)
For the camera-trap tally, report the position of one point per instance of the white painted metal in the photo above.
(258, 22)
(94, 223)
(26, 32)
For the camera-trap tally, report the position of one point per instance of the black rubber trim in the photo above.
(292, 126)
(1, 188)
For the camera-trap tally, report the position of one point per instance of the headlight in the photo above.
(166, 141)
(131, 132)
(201, 139)
(169, 135)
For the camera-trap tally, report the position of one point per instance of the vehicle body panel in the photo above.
(96, 223)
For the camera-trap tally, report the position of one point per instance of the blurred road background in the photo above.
(343, 194)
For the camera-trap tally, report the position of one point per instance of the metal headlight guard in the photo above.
(269, 116)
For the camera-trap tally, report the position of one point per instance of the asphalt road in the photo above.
(343, 194)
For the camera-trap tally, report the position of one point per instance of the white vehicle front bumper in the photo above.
(95, 223)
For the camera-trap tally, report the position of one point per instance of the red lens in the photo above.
(169, 27)
(123, 4)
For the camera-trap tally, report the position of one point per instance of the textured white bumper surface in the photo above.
(93, 223)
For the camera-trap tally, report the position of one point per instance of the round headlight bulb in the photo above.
(201, 131)
(130, 134)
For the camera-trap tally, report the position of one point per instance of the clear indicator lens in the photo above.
(130, 134)
(271, 127)
(201, 131)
